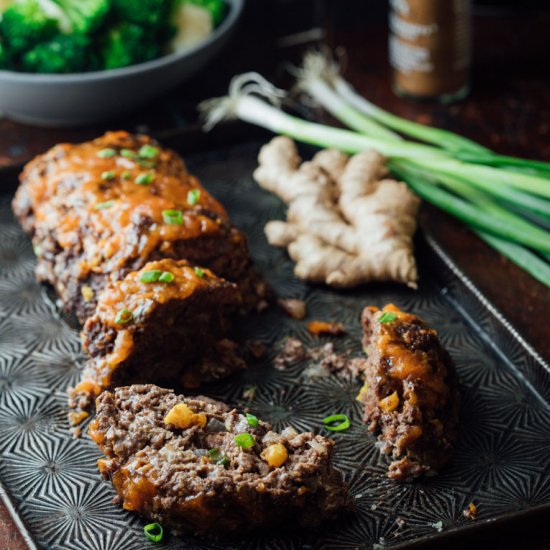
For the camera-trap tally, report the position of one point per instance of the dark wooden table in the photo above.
(508, 110)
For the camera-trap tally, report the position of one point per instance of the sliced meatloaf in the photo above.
(410, 393)
(163, 323)
(101, 209)
(197, 467)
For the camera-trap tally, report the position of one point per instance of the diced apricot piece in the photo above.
(362, 392)
(390, 403)
(95, 434)
(275, 455)
(88, 386)
(76, 417)
(181, 416)
(325, 327)
(136, 491)
(87, 293)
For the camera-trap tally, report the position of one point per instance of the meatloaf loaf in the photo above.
(197, 467)
(101, 209)
(410, 393)
(165, 322)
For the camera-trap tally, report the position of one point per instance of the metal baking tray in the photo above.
(50, 481)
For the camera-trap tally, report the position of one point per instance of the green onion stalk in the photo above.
(521, 256)
(320, 67)
(489, 218)
(314, 79)
(413, 160)
(320, 78)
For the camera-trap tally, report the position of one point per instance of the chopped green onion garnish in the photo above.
(124, 317)
(244, 440)
(387, 317)
(214, 453)
(145, 179)
(166, 277)
(193, 196)
(128, 153)
(108, 175)
(329, 422)
(172, 217)
(154, 532)
(218, 457)
(126, 176)
(148, 152)
(104, 205)
(199, 272)
(252, 420)
(150, 276)
(106, 153)
(146, 163)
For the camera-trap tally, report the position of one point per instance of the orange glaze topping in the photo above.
(138, 298)
(136, 491)
(124, 219)
(405, 362)
(132, 294)
(95, 433)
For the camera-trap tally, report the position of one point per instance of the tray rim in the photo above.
(438, 251)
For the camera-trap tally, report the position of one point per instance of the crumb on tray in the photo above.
(326, 327)
(294, 308)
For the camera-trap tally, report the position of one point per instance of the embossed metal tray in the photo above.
(50, 480)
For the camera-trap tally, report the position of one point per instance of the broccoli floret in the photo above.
(128, 44)
(143, 12)
(28, 22)
(5, 58)
(65, 53)
(85, 16)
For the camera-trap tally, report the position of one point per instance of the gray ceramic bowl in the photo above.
(86, 98)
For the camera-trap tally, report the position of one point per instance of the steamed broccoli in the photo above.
(65, 36)
(65, 53)
(85, 16)
(28, 22)
(128, 44)
(5, 58)
(145, 12)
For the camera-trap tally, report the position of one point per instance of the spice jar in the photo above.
(430, 48)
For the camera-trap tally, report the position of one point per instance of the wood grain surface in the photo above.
(508, 110)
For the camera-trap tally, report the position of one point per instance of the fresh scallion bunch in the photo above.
(505, 200)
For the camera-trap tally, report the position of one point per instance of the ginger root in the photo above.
(345, 224)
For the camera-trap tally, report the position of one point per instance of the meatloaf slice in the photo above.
(163, 323)
(100, 209)
(410, 393)
(197, 467)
